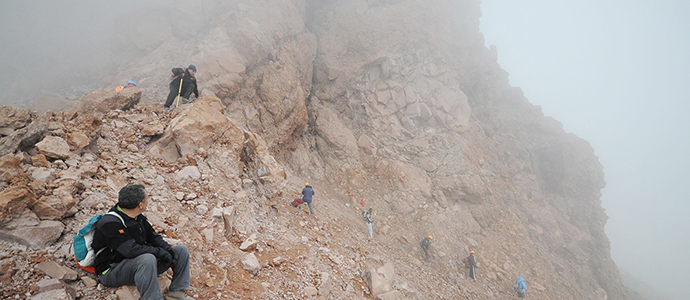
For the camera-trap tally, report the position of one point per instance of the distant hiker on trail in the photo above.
(132, 253)
(520, 288)
(129, 84)
(182, 85)
(471, 264)
(425, 243)
(307, 193)
(367, 216)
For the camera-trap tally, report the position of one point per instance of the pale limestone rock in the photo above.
(43, 174)
(249, 244)
(54, 147)
(48, 284)
(59, 294)
(251, 264)
(57, 271)
(201, 210)
(152, 129)
(380, 280)
(27, 218)
(366, 144)
(311, 291)
(207, 233)
(188, 172)
(36, 237)
(79, 140)
(88, 281)
(392, 295)
(325, 285)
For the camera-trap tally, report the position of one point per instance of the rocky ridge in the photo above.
(397, 102)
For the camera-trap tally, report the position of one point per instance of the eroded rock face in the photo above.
(197, 128)
(14, 118)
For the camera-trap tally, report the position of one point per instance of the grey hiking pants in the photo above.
(143, 272)
(370, 228)
(311, 209)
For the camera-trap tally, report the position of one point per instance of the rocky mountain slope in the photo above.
(394, 102)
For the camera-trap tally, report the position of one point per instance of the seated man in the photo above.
(135, 254)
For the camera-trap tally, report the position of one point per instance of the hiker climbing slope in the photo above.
(307, 194)
(183, 85)
(520, 288)
(425, 243)
(367, 216)
(471, 264)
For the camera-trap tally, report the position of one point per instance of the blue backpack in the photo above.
(84, 254)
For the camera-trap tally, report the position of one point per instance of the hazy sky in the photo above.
(616, 73)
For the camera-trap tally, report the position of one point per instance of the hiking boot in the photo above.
(185, 101)
(168, 108)
(178, 295)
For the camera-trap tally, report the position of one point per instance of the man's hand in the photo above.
(164, 256)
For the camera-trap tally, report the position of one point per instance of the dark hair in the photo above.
(131, 195)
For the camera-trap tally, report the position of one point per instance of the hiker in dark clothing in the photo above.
(189, 85)
(130, 252)
(307, 193)
(520, 288)
(425, 243)
(472, 265)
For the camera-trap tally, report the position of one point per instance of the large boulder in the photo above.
(36, 237)
(25, 138)
(202, 125)
(104, 101)
(53, 147)
(380, 280)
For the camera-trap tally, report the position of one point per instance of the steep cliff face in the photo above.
(396, 102)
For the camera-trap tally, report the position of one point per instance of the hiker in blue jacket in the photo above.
(520, 288)
(307, 193)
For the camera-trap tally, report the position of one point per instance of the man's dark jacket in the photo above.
(188, 85)
(307, 192)
(120, 242)
(471, 261)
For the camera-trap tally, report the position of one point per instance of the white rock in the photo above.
(251, 264)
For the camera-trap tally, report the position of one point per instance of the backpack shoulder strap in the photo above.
(118, 216)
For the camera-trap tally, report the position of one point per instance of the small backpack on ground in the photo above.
(84, 254)
(467, 262)
(297, 202)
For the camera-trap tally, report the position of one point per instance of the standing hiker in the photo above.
(182, 85)
(307, 193)
(131, 252)
(367, 216)
(471, 264)
(425, 243)
(520, 288)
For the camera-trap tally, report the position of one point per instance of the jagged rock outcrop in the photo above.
(395, 105)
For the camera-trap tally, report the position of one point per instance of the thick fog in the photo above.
(61, 47)
(617, 74)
